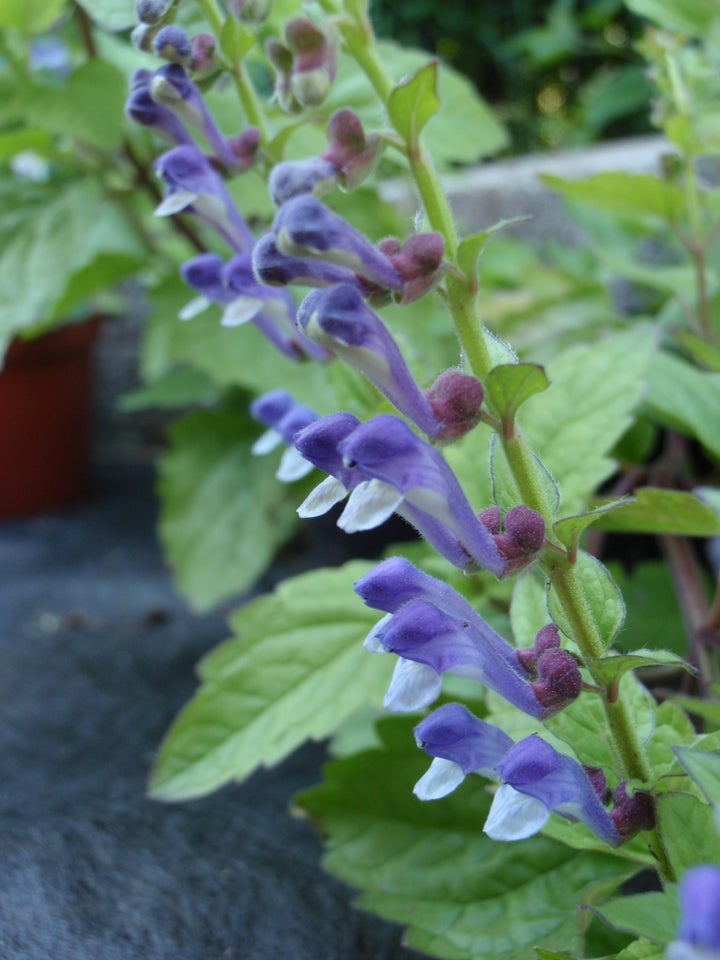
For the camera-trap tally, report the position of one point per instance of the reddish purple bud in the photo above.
(245, 147)
(456, 399)
(282, 61)
(419, 262)
(599, 784)
(203, 53)
(314, 61)
(351, 153)
(528, 660)
(526, 528)
(547, 638)
(559, 680)
(491, 519)
(632, 813)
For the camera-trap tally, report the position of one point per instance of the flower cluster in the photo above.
(388, 463)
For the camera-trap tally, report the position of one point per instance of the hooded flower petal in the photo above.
(339, 319)
(386, 449)
(275, 268)
(699, 935)
(192, 185)
(419, 631)
(304, 227)
(173, 88)
(534, 769)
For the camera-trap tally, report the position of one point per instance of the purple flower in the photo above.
(387, 450)
(285, 418)
(171, 87)
(295, 177)
(141, 108)
(275, 268)
(172, 43)
(442, 643)
(192, 185)
(535, 780)
(698, 937)
(460, 744)
(318, 443)
(339, 319)
(304, 227)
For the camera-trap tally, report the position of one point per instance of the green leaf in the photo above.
(30, 16)
(574, 424)
(654, 916)
(653, 510)
(110, 14)
(88, 107)
(528, 610)
(693, 17)
(52, 243)
(687, 829)
(703, 353)
(180, 387)
(704, 769)
(429, 865)
(599, 595)
(609, 669)
(653, 615)
(295, 670)
(470, 247)
(628, 194)
(680, 397)
(569, 529)
(223, 513)
(641, 950)
(465, 130)
(509, 385)
(236, 39)
(414, 102)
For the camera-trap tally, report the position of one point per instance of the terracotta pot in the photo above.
(45, 410)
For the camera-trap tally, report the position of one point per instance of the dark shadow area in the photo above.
(97, 658)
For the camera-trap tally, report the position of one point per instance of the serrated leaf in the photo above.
(429, 865)
(295, 670)
(414, 102)
(609, 669)
(574, 424)
(223, 513)
(568, 529)
(528, 610)
(704, 769)
(687, 830)
(653, 916)
(653, 510)
(600, 595)
(628, 194)
(509, 385)
(680, 397)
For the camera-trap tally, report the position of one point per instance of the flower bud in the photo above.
(491, 519)
(547, 638)
(559, 680)
(203, 53)
(598, 782)
(418, 261)
(314, 61)
(254, 11)
(142, 37)
(282, 61)
(455, 399)
(245, 148)
(526, 528)
(351, 153)
(151, 11)
(173, 44)
(632, 813)
(294, 177)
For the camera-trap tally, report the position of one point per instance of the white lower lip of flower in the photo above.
(371, 503)
(413, 686)
(267, 442)
(241, 310)
(175, 202)
(443, 776)
(193, 308)
(371, 642)
(293, 466)
(514, 815)
(322, 498)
